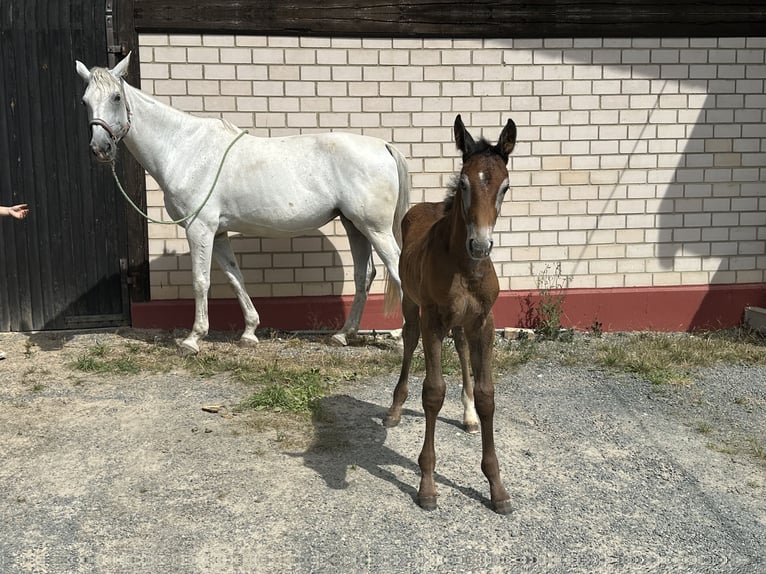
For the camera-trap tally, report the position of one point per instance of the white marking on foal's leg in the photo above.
(470, 417)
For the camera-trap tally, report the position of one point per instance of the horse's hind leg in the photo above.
(224, 255)
(364, 273)
(410, 335)
(470, 418)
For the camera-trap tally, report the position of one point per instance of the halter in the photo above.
(115, 135)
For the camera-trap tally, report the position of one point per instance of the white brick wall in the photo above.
(639, 162)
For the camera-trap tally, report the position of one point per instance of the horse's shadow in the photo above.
(349, 433)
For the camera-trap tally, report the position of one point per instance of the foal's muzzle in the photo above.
(479, 248)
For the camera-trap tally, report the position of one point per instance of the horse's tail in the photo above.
(393, 296)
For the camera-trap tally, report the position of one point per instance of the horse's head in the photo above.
(108, 112)
(482, 184)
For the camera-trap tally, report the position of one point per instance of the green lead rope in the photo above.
(193, 214)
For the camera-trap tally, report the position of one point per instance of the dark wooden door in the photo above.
(66, 265)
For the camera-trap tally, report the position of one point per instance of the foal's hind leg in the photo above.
(224, 255)
(364, 273)
(470, 418)
(410, 335)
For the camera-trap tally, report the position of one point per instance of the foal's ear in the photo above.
(507, 140)
(82, 70)
(122, 67)
(463, 139)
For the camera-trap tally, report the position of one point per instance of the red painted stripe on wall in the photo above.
(620, 309)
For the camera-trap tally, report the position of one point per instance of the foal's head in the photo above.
(481, 185)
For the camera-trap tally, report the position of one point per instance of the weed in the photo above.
(722, 449)
(295, 391)
(547, 314)
(758, 450)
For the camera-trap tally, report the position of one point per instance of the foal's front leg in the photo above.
(433, 398)
(481, 339)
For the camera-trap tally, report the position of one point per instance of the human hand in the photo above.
(19, 211)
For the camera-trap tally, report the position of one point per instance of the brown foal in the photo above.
(449, 283)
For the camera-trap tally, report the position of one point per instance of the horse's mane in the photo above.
(102, 77)
(449, 199)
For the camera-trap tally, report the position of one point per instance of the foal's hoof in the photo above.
(471, 428)
(187, 348)
(502, 506)
(427, 502)
(338, 340)
(390, 421)
(248, 341)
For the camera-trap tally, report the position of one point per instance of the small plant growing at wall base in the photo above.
(549, 310)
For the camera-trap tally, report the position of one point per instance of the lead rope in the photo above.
(195, 213)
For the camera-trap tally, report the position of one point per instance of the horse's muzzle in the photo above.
(479, 248)
(105, 153)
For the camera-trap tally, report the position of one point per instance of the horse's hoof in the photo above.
(338, 340)
(390, 421)
(502, 506)
(471, 428)
(248, 341)
(427, 502)
(187, 348)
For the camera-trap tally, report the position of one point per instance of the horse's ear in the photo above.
(122, 67)
(507, 140)
(82, 70)
(463, 139)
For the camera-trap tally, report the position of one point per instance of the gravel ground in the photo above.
(607, 474)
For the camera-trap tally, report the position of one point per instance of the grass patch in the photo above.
(100, 359)
(288, 391)
(667, 358)
(290, 374)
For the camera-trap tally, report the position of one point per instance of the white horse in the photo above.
(268, 187)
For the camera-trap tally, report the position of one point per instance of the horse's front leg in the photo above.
(434, 389)
(364, 273)
(470, 418)
(481, 338)
(200, 240)
(224, 255)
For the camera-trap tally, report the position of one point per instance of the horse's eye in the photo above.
(116, 98)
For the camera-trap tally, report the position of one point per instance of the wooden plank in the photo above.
(133, 174)
(447, 18)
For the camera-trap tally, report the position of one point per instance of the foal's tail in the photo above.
(392, 299)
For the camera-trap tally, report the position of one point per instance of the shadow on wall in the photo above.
(704, 240)
(710, 222)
